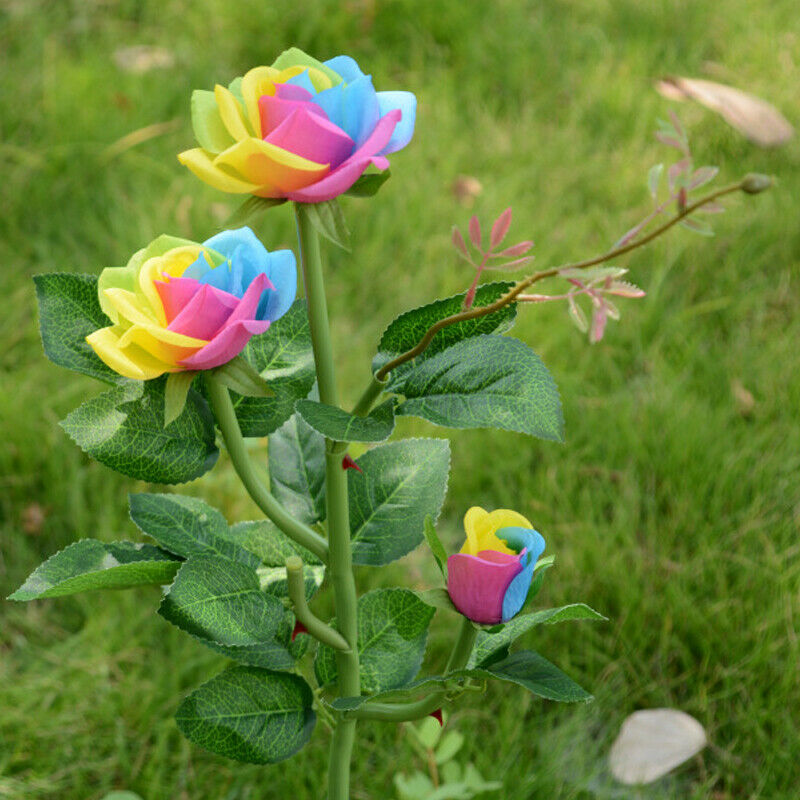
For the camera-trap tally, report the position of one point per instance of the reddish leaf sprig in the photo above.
(490, 258)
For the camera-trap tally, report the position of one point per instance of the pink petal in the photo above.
(344, 176)
(289, 91)
(274, 110)
(477, 584)
(312, 136)
(246, 308)
(175, 294)
(205, 313)
(227, 344)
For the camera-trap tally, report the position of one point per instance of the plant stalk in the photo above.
(340, 561)
(225, 415)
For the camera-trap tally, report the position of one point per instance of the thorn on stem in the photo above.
(298, 629)
(437, 715)
(348, 463)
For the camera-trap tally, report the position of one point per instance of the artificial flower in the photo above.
(179, 305)
(488, 581)
(300, 129)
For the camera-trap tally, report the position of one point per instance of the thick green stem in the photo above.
(371, 394)
(340, 562)
(222, 407)
(404, 712)
(297, 594)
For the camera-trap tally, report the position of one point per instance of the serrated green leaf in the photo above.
(221, 600)
(68, 312)
(272, 546)
(123, 428)
(484, 382)
(284, 359)
(328, 219)
(339, 425)
(242, 377)
(697, 226)
(249, 715)
(487, 645)
(251, 209)
(176, 392)
(400, 483)
(89, 564)
(296, 455)
(368, 185)
(436, 546)
(406, 330)
(274, 582)
(392, 631)
(187, 526)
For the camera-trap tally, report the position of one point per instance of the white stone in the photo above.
(652, 742)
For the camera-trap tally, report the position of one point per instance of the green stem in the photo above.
(297, 594)
(404, 712)
(222, 407)
(371, 394)
(340, 561)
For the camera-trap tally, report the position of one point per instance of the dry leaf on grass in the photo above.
(757, 119)
(652, 742)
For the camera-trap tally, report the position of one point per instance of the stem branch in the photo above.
(222, 407)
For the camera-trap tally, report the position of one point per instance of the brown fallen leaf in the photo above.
(465, 189)
(757, 119)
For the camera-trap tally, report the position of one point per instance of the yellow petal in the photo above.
(173, 263)
(255, 83)
(130, 363)
(166, 346)
(481, 528)
(201, 164)
(231, 112)
(129, 307)
(270, 166)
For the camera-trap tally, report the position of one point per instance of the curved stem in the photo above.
(221, 405)
(371, 394)
(313, 624)
(340, 561)
(512, 294)
(404, 712)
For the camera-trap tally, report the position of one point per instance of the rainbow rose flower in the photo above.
(300, 129)
(179, 305)
(488, 581)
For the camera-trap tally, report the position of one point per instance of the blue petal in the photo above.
(354, 108)
(407, 103)
(197, 269)
(226, 242)
(517, 592)
(303, 81)
(282, 272)
(346, 67)
(219, 277)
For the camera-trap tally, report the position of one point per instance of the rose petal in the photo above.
(205, 313)
(227, 344)
(477, 584)
(344, 176)
(274, 110)
(312, 136)
(176, 294)
(406, 102)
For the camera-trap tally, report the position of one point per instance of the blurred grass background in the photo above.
(673, 507)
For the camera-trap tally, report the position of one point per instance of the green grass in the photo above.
(669, 509)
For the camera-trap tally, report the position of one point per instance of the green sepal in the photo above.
(437, 598)
(69, 311)
(251, 209)
(392, 631)
(436, 546)
(176, 392)
(249, 715)
(488, 644)
(405, 331)
(124, 429)
(400, 484)
(341, 426)
(540, 570)
(242, 377)
(89, 564)
(328, 220)
(368, 185)
(484, 382)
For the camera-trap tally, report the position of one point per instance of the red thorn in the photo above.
(348, 463)
(437, 715)
(298, 629)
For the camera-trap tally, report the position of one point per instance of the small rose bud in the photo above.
(754, 183)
